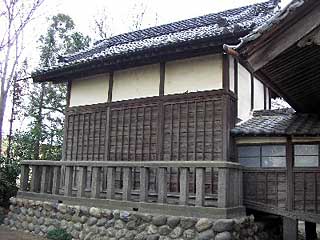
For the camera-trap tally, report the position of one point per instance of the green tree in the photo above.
(47, 101)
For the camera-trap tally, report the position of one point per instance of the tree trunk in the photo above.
(39, 124)
(3, 100)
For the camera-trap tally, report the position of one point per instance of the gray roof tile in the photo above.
(279, 122)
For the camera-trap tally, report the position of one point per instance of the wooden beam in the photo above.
(110, 87)
(82, 180)
(44, 179)
(236, 76)
(111, 180)
(225, 72)
(69, 87)
(184, 186)
(151, 164)
(290, 229)
(56, 179)
(200, 187)
(68, 181)
(127, 183)
(162, 78)
(290, 163)
(162, 185)
(24, 178)
(252, 92)
(144, 184)
(264, 97)
(284, 37)
(96, 182)
(223, 187)
(35, 179)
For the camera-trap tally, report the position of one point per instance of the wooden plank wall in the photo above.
(186, 127)
(306, 191)
(267, 187)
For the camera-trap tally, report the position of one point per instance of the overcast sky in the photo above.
(83, 11)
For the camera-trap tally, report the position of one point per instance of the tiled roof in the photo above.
(213, 26)
(272, 22)
(279, 122)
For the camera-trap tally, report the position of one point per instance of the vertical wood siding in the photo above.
(265, 187)
(306, 191)
(186, 127)
(192, 129)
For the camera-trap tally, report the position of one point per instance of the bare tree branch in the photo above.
(14, 17)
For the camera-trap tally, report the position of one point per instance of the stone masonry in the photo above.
(100, 224)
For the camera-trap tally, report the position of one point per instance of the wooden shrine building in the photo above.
(281, 147)
(171, 119)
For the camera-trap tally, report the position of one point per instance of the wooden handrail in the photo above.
(150, 164)
(69, 176)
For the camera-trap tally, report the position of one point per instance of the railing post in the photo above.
(82, 180)
(144, 184)
(96, 181)
(223, 187)
(162, 185)
(127, 183)
(24, 178)
(200, 187)
(56, 179)
(68, 181)
(111, 179)
(44, 179)
(35, 179)
(184, 186)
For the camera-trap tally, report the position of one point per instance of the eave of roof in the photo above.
(281, 122)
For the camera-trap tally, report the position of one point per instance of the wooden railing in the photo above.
(68, 179)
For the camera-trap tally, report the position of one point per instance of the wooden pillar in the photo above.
(184, 186)
(44, 179)
(162, 185)
(240, 187)
(111, 179)
(289, 152)
(290, 229)
(144, 184)
(68, 181)
(82, 180)
(200, 186)
(56, 180)
(24, 179)
(35, 179)
(311, 230)
(127, 183)
(96, 181)
(223, 187)
(226, 72)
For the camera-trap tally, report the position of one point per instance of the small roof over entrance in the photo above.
(281, 122)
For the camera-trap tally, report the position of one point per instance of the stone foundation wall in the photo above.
(95, 223)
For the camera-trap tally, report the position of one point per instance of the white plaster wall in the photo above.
(89, 90)
(231, 73)
(136, 82)
(258, 95)
(244, 92)
(193, 74)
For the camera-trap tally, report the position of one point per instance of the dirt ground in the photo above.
(7, 234)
